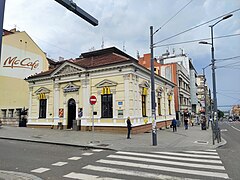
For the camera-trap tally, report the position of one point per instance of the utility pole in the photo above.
(154, 128)
(2, 7)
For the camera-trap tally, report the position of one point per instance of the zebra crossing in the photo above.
(154, 165)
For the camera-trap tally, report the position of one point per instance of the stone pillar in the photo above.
(85, 98)
(126, 94)
(56, 103)
(30, 103)
(114, 104)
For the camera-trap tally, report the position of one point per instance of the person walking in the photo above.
(129, 126)
(174, 125)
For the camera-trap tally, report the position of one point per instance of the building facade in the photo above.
(179, 75)
(186, 62)
(21, 57)
(120, 85)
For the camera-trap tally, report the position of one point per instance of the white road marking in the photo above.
(202, 152)
(81, 176)
(60, 163)
(97, 150)
(224, 130)
(235, 128)
(188, 155)
(130, 172)
(74, 158)
(167, 162)
(164, 168)
(87, 154)
(211, 150)
(171, 157)
(40, 170)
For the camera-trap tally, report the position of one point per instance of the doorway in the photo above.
(71, 113)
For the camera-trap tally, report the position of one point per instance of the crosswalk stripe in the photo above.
(188, 155)
(40, 170)
(167, 162)
(60, 163)
(211, 150)
(164, 168)
(97, 150)
(82, 176)
(131, 173)
(171, 157)
(202, 152)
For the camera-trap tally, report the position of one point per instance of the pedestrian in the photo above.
(129, 127)
(174, 125)
(186, 123)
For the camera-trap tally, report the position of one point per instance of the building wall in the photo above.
(21, 57)
(125, 86)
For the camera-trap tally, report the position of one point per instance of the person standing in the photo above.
(129, 126)
(174, 125)
(186, 123)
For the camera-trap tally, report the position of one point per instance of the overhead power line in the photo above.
(229, 65)
(173, 16)
(197, 40)
(196, 26)
(226, 59)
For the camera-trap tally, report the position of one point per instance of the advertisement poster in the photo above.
(61, 112)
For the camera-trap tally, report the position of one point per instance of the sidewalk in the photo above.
(191, 139)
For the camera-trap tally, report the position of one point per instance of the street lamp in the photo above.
(213, 68)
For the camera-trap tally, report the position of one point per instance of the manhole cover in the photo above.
(201, 142)
(38, 137)
(94, 142)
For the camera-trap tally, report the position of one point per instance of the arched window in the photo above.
(106, 99)
(42, 105)
(144, 94)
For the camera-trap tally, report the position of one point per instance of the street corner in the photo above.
(9, 175)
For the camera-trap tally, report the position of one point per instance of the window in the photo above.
(42, 108)
(159, 107)
(107, 110)
(144, 106)
(169, 107)
(4, 113)
(10, 113)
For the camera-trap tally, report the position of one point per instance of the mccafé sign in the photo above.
(26, 63)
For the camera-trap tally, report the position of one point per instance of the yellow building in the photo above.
(120, 85)
(21, 57)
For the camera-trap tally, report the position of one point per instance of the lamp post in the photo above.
(213, 69)
(2, 7)
(154, 128)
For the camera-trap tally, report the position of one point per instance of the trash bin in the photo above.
(60, 126)
(75, 128)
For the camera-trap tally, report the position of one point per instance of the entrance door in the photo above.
(71, 112)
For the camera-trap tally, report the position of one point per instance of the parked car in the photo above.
(0, 123)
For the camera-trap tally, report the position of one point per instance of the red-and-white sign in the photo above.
(93, 100)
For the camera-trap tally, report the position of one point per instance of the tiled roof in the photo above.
(94, 59)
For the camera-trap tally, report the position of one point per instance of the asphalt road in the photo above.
(64, 162)
(29, 157)
(230, 153)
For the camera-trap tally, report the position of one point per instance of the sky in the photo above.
(125, 24)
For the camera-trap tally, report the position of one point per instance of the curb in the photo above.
(59, 143)
(11, 175)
